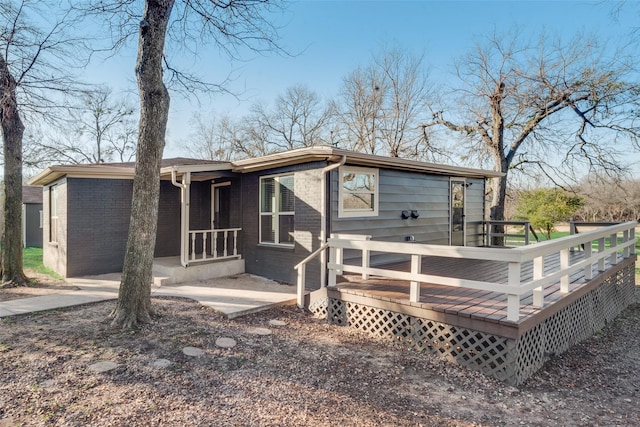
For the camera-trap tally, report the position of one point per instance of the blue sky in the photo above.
(335, 37)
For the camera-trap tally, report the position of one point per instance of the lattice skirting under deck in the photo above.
(510, 360)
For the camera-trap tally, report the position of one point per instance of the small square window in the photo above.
(358, 192)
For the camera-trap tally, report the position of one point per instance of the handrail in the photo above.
(515, 288)
(302, 267)
(528, 229)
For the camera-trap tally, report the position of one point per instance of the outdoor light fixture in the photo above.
(415, 214)
(405, 214)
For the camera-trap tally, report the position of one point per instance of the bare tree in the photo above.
(520, 105)
(212, 138)
(34, 74)
(101, 128)
(383, 104)
(609, 199)
(298, 119)
(233, 26)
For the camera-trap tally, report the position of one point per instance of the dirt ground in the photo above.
(304, 373)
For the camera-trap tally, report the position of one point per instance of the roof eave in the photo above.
(54, 173)
(334, 154)
(205, 167)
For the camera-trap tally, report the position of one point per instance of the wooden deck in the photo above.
(469, 308)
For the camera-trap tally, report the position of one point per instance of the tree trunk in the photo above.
(498, 200)
(12, 132)
(134, 299)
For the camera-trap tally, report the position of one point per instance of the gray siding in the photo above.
(400, 190)
(275, 262)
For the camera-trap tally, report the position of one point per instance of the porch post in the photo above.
(184, 186)
(184, 218)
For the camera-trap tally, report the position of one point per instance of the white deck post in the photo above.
(538, 273)
(339, 258)
(625, 239)
(588, 252)
(301, 282)
(601, 261)
(564, 264)
(416, 268)
(513, 300)
(613, 242)
(332, 270)
(632, 236)
(366, 263)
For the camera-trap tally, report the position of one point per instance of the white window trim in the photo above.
(53, 216)
(355, 213)
(277, 213)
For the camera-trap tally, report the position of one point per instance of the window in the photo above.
(277, 210)
(53, 213)
(358, 192)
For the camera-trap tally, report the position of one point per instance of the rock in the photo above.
(193, 351)
(48, 383)
(226, 342)
(274, 322)
(104, 366)
(260, 331)
(161, 363)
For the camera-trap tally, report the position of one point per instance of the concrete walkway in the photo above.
(233, 296)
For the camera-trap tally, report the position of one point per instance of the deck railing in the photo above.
(527, 237)
(214, 244)
(609, 242)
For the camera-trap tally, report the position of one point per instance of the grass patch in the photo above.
(32, 259)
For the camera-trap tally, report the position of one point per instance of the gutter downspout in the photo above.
(184, 187)
(323, 218)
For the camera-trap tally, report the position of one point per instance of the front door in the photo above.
(221, 206)
(457, 220)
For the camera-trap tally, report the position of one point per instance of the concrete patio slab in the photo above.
(233, 296)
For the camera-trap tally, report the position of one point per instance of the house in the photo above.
(31, 216)
(501, 311)
(265, 214)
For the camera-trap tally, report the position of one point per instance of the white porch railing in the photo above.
(215, 244)
(526, 237)
(620, 238)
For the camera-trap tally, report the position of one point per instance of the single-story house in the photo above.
(31, 216)
(270, 212)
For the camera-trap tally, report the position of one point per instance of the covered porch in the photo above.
(210, 211)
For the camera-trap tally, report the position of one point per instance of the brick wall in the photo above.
(277, 262)
(97, 224)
